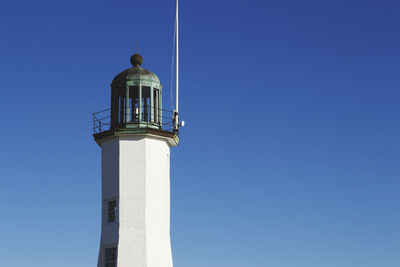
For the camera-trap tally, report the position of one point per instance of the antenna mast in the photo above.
(177, 69)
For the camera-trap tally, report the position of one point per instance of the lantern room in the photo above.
(136, 98)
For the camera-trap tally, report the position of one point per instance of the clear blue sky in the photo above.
(290, 155)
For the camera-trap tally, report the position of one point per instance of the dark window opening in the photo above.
(110, 257)
(111, 211)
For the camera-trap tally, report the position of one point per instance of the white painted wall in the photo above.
(110, 190)
(136, 171)
(132, 242)
(158, 204)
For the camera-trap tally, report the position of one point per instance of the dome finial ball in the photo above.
(136, 60)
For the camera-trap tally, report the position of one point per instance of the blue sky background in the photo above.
(290, 154)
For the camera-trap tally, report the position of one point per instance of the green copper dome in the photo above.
(137, 74)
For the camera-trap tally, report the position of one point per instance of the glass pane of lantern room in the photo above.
(134, 95)
(156, 106)
(121, 107)
(146, 103)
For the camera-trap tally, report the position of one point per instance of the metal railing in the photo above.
(102, 120)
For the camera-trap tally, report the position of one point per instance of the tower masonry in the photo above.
(135, 136)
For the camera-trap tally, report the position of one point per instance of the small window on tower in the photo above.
(111, 211)
(110, 255)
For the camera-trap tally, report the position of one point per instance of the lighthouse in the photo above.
(135, 136)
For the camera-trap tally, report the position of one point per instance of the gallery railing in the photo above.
(163, 119)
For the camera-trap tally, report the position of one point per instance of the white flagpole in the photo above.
(177, 66)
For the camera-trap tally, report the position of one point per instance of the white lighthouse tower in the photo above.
(135, 136)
